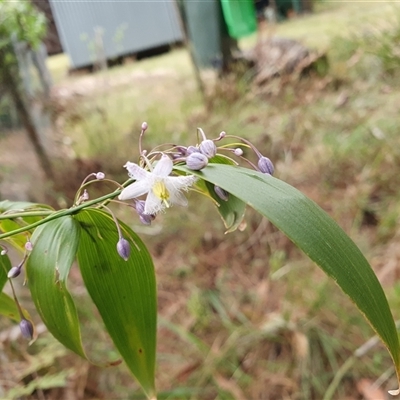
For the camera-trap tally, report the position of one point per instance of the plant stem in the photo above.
(59, 214)
(26, 214)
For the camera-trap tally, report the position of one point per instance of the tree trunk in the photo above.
(11, 83)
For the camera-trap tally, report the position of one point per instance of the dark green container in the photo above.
(203, 25)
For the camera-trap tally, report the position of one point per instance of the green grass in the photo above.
(332, 18)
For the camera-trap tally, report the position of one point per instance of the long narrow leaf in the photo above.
(7, 205)
(314, 232)
(54, 249)
(9, 309)
(5, 266)
(124, 291)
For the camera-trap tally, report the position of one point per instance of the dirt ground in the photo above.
(20, 176)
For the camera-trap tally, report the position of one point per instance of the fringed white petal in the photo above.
(136, 189)
(136, 172)
(153, 204)
(164, 166)
(178, 198)
(179, 182)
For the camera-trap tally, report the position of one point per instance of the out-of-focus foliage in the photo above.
(21, 20)
(377, 47)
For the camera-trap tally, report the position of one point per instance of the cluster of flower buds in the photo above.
(197, 157)
(152, 175)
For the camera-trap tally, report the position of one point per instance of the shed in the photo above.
(114, 28)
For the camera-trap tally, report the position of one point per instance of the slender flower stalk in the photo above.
(100, 176)
(144, 129)
(264, 164)
(26, 326)
(123, 246)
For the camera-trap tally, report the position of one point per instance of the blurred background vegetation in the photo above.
(243, 315)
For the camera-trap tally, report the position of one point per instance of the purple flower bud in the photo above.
(221, 193)
(222, 135)
(26, 329)
(28, 246)
(208, 148)
(14, 272)
(192, 149)
(265, 165)
(123, 248)
(100, 175)
(144, 126)
(147, 219)
(196, 161)
(238, 152)
(181, 150)
(139, 206)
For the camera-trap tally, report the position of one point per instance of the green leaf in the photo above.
(54, 249)
(232, 211)
(124, 291)
(8, 308)
(9, 224)
(7, 205)
(18, 241)
(5, 266)
(321, 238)
(222, 159)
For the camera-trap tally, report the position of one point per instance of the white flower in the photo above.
(163, 190)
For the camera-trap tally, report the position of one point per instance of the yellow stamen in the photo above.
(161, 192)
